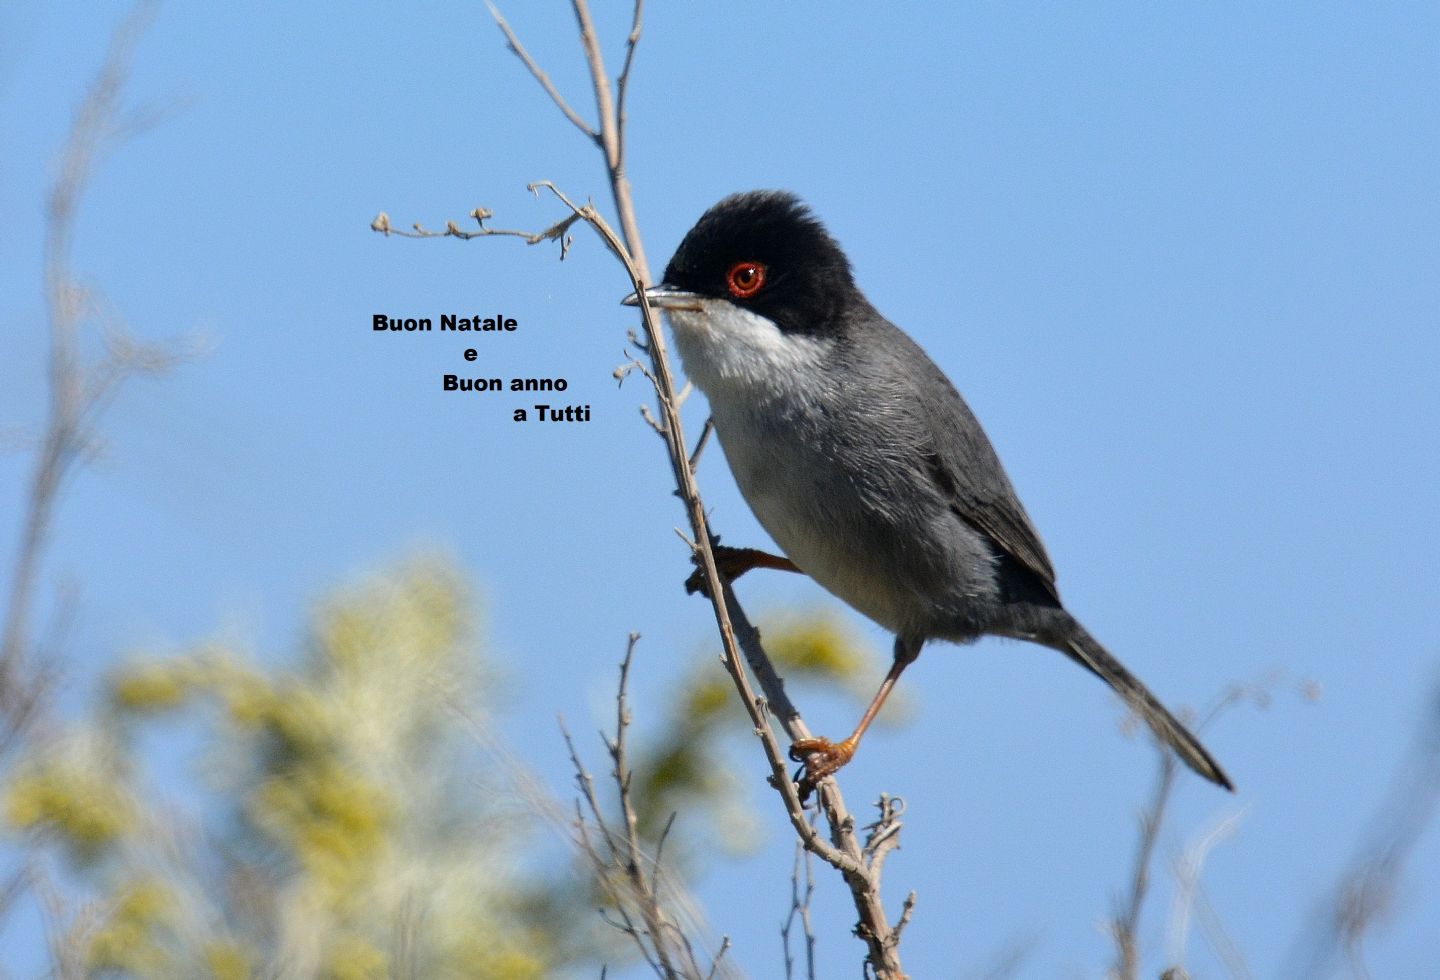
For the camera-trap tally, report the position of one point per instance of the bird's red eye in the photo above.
(745, 279)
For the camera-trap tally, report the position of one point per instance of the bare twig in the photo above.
(636, 342)
(622, 85)
(655, 921)
(718, 958)
(1366, 891)
(81, 388)
(556, 232)
(907, 909)
(705, 432)
(607, 866)
(1192, 899)
(660, 851)
(611, 137)
(652, 421)
(515, 46)
(79, 392)
(619, 859)
(1126, 924)
(883, 836)
(586, 783)
(800, 912)
(1219, 937)
(582, 833)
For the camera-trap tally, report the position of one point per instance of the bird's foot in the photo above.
(821, 757)
(731, 563)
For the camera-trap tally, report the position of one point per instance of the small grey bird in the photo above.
(861, 459)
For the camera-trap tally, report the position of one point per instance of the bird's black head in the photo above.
(764, 251)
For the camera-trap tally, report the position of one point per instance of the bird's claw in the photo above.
(696, 583)
(820, 758)
(730, 563)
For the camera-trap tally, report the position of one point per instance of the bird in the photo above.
(861, 460)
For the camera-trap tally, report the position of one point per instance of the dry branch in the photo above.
(80, 391)
(619, 860)
(800, 912)
(1365, 894)
(1126, 924)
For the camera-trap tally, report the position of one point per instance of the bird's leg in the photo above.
(823, 757)
(731, 563)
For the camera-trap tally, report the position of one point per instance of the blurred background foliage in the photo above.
(355, 826)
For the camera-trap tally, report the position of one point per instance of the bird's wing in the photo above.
(966, 471)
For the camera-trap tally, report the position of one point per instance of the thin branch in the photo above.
(518, 49)
(652, 421)
(636, 909)
(883, 836)
(700, 444)
(556, 232)
(586, 782)
(1125, 926)
(718, 958)
(655, 922)
(1219, 937)
(1189, 897)
(622, 85)
(660, 850)
(907, 909)
(800, 911)
(79, 392)
(1365, 893)
(634, 339)
(611, 139)
(571, 822)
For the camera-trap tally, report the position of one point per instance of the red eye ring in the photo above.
(745, 279)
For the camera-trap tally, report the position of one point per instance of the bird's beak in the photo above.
(665, 297)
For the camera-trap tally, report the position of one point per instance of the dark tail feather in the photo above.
(1085, 650)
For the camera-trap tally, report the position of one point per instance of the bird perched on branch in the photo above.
(861, 459)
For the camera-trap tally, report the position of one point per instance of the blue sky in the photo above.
(1180, 259)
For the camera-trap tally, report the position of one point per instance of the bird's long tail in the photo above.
(1085, 650)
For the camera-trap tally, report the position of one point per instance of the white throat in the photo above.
(727, 350)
